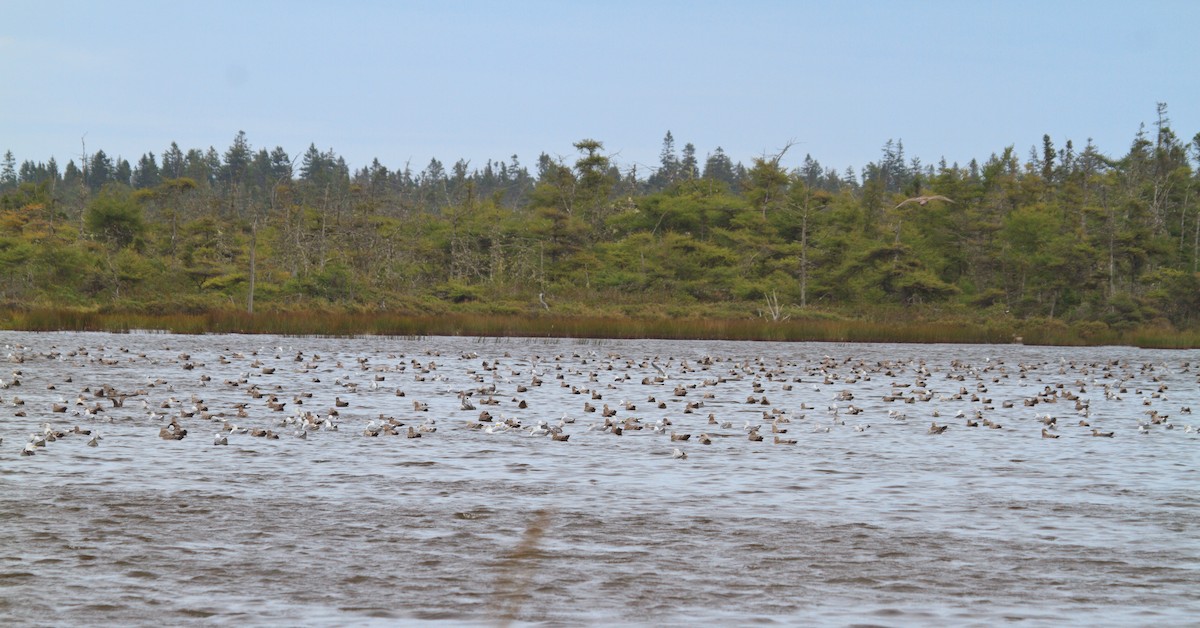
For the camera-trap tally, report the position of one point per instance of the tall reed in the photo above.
(342, 323)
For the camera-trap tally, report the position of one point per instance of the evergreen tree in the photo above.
(281, 165)
(8, 172)
(546, 168)
(115, 217)
(1048, 155)
(259, 173)
(668, 169)
(212, 160)
(146, 174)
(595, 177)
(718, 167)
(313, 167)
(72, 177)
(689, 168)
(434, 173)
(123, 172)
(29, 172)
(237, 161)
(196, 167)
(1077, 236)
(99, 170)
(172, 162)
(811, 172)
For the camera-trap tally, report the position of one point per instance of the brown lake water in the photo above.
(867, 519)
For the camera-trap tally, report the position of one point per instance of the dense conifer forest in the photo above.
(1057, 234)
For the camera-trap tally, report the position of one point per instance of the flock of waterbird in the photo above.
(688, 402)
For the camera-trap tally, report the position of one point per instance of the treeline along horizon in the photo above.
(1061, 233)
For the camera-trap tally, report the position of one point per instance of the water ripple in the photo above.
(868, 519)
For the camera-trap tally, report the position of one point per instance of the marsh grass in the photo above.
(346, 324)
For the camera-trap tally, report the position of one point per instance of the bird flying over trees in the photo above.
(923, 200)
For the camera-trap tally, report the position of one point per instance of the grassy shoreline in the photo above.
(344, 324)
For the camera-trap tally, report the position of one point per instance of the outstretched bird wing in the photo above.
(923, 200)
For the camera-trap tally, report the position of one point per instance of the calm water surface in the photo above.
(867, 519)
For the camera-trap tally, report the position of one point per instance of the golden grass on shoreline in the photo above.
(344, 324)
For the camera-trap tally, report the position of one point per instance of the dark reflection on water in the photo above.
(884, 526)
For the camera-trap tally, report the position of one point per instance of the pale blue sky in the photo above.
(408, 81)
